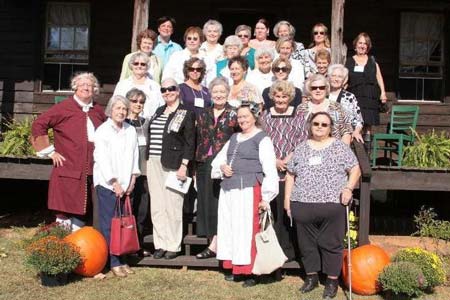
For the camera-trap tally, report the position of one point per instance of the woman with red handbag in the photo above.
(116, 165)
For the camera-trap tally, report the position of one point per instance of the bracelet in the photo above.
(348, 188)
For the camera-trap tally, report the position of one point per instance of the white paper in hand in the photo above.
(173, 183)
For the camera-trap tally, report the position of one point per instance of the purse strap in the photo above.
(126, 209)
(266, 219)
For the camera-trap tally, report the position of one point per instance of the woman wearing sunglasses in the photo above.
(139, 64)
(285, 47)
(244, 32)
(320, 40)
(171, 148)
(317, 89)
(320, 180)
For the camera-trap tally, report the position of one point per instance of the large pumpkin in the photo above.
(367, 263)
(93, 250)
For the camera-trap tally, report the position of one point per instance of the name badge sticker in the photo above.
(199, 102)
(315, 160)
(359, 69)
(142, 141)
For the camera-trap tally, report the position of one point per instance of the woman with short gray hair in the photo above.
(244, 32)
(262, 76)
(212, 30)
(232, 48)
(284, 29)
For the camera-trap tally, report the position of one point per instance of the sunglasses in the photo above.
(319, 32)
(321, 87)
(139, 64)
(317, 124)
(243, 36)
(192, 69)
(280, 69)
(192, 38)
(171, 88)
(136, 101)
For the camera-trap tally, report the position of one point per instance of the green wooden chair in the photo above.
(58, 99)
(403, 122)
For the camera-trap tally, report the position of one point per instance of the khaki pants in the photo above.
(166, 208)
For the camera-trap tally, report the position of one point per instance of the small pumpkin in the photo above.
(367, 263)
(93, 250)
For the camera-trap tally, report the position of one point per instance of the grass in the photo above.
(18, 282)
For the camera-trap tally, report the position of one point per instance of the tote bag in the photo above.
(124, 238)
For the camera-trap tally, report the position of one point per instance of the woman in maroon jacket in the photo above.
(73, 121)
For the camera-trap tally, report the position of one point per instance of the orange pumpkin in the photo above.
(93, 250)
(367, 263)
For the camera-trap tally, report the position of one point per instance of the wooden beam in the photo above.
(140, 20)
(339, 52)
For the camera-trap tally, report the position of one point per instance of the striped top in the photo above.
(156, 137)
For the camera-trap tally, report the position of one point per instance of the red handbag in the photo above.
(124, 237)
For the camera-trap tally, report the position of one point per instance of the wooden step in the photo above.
(187, 240)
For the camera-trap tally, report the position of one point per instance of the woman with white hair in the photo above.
(262, 76)
(139, 64)
(116, 166)
(212, 30)
(284, 29)
(244, 32)
(232, 48)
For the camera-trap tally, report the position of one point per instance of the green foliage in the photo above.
(16, 139)
(428, 226)
(54, 229)
(430, 150)
(403, 278)
(431, 264)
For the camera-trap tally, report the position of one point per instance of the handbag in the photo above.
(269, 255)
(124, 237)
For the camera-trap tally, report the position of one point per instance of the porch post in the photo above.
(339, 50)
(140, 20)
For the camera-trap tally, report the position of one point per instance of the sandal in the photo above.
(207, 253)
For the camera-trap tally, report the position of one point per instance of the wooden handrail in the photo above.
(363, 159)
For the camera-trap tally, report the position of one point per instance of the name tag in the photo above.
(315, 160)
(199, 102)
(359, 69)
(142, 141)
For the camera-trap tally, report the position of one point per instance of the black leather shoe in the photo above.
(228, 277)
(159, 253)
(207, 253)
(170, 255)
(144, 253)
(311, 282)
(249, 282)
(331, 288)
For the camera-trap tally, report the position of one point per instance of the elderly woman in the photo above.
(215, 125)
(211, 48)
(320, 180)
(262, 30)
(284, 29)
(262, 76)
(193, 37)
(281, 68)
(165, 47)
(241, 90)
(145, 42)
(193, 94)
(171, 148)
(116, 166)
(317, 88)
(244, 32)
(320, 40)
(247, 166)
(337, 76)
(285, 48)
(73, 121)
(139, 64)
(366, 82)
(232, 48)
(322, 61)
(280, 121)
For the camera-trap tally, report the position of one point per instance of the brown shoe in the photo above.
(127, 269)
(118, 271)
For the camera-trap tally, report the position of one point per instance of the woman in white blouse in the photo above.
(116, 165)
(211, 47)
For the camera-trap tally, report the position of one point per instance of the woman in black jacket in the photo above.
(171, 148)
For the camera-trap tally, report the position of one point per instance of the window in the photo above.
(421, 56)
(66, 44)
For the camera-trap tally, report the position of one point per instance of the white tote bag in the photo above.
(269, 255)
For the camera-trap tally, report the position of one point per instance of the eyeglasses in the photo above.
(192, 69)
(171, 88)
(280, 69)
(319, 32)
(317, 124)
(243, 36)
(321, 87)
(139, 64)
(136, 101)
(192, 38)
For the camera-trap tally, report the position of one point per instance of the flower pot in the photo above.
(389, 295)
(53, 280)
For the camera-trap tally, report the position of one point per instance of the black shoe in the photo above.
(159, 253)
(228, 277)
(207, 253)
(311, 282)
(249, 282)
(331, 288)
(144, 253)
(170, 255)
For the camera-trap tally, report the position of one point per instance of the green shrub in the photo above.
(430, 150)
(430, 264)
(403, 278)
(54, 229)
(428, 226)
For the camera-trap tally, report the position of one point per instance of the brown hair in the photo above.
(146, 34)
(193, 30)
(320, 113)
(242, 61)
(366, 37)
(189, 63)
(323, 54)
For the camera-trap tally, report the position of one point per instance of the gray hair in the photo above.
(114, 99)
(276, 28)
(283, 86)
(263, 51)
(314, 78)
(232, 40)
(136, 56)
(85, 75)
(214, 23)
(134, 92)
(219, 81)
(243, 28)
(171, 81)
(339, 67)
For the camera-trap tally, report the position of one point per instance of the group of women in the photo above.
(258, 124)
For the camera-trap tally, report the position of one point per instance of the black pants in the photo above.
(320, 234)
(141, 205)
